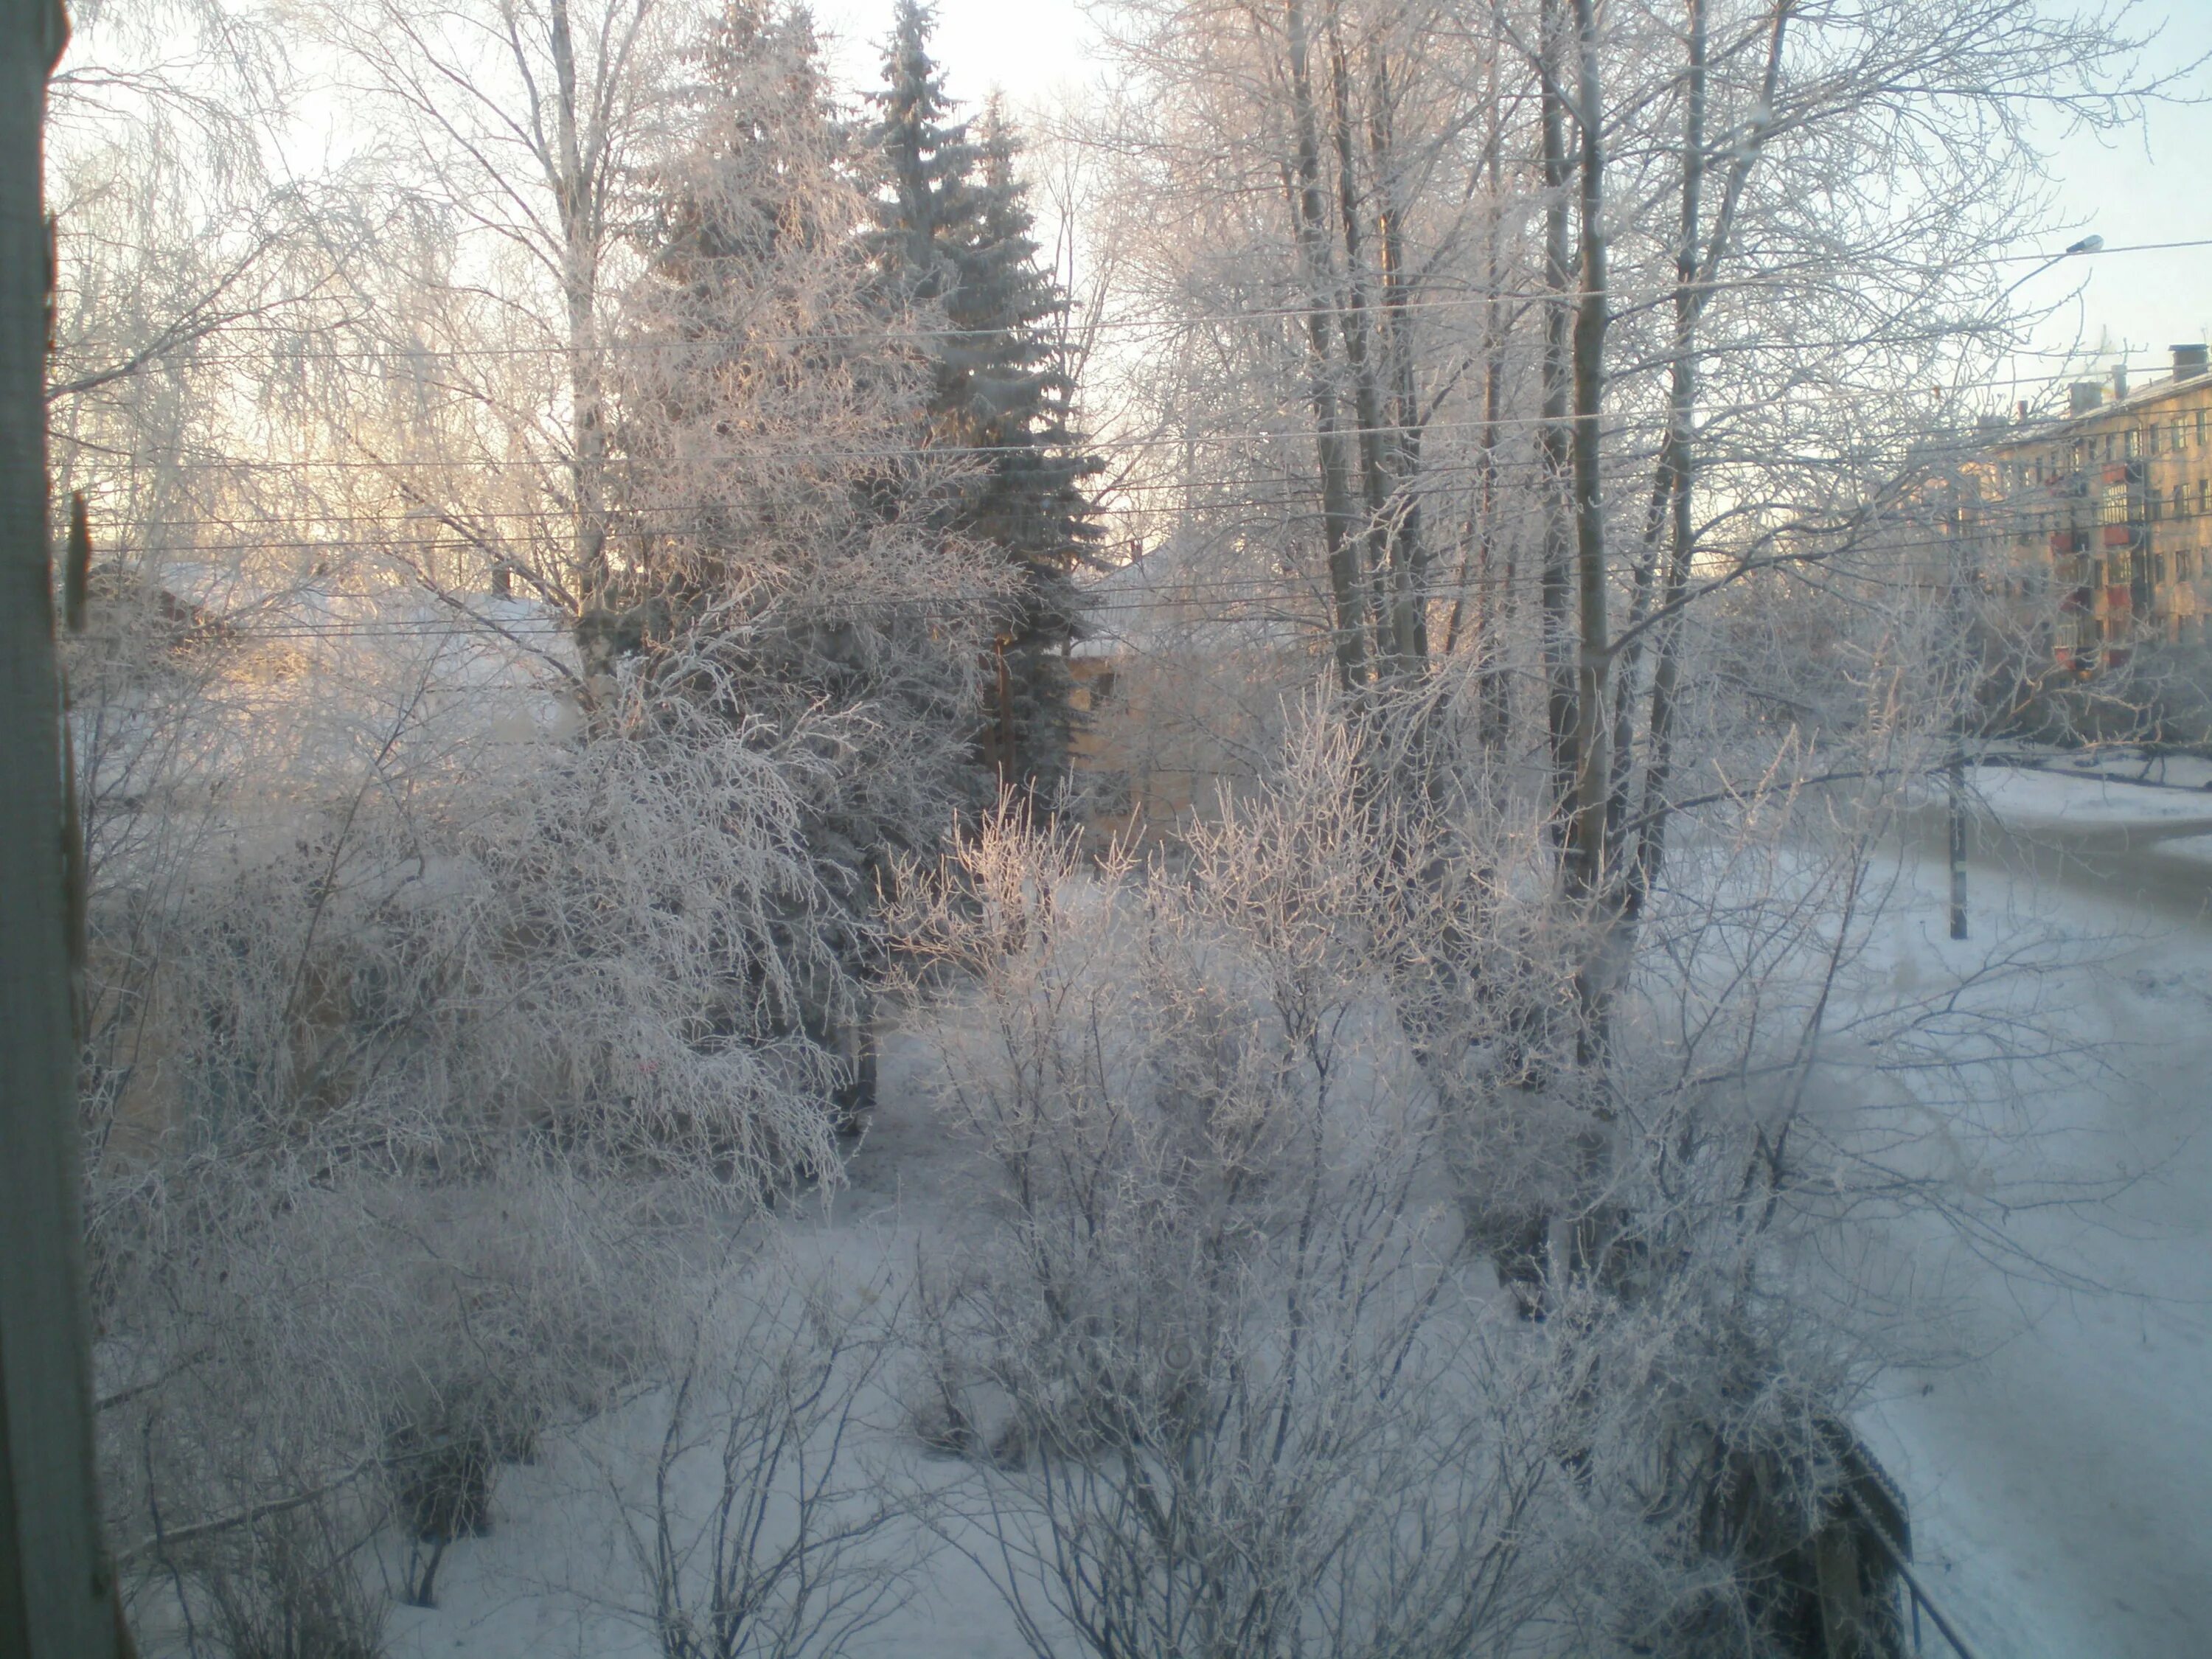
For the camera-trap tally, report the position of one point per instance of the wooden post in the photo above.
(1005, 720)
(56, 1592)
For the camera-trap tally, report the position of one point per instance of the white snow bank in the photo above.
(2031, 798)
(2061, 1485)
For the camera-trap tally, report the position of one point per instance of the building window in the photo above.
(2185, 564)
(2178, 502)
(2134, 443)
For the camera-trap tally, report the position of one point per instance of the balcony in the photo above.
(2122, 535)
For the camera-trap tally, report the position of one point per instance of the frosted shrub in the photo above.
(1265, 1127)
(293, 1588)
(762, 1528)
(1241, 1384)
(365, 1345)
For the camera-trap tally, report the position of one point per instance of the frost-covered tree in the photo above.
(443, 934)
(784, 565)
(524, 126)
(1551, 374)
(954, 235)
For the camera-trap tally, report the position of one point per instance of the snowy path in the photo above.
(2061, 1485)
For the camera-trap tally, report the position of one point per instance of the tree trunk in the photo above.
(1346, 576)
(1585, 842)
(1359, 352)
(579, 277)
(1555, 441)
(1400, 438)
(1693, 292)
(1669, 509)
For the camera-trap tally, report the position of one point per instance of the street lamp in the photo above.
(1955, 779)
(2087, 244)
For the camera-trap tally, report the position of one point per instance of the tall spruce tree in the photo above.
(954, 234)
(779, 578)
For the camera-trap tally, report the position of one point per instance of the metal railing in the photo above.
(1914, 1589)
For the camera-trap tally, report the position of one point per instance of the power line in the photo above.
(805, 452)
(1186, 601)
(2101, 253)
(1198, 498)
(455, 544)
(740, 338)
(1103, 325)
(1615, 427)
(1617, 424)
(466, 530)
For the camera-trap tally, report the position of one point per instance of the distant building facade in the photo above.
(2110, 508)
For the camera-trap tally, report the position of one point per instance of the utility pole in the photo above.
(1954, 786)
(56, 1597)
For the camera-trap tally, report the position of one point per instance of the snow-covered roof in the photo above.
(249, 605)
(1188, 596)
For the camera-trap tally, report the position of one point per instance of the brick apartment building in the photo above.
(2114, 501)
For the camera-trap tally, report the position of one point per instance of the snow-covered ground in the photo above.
(556, 1576)
(2141, 812)
(2061, 1484)
(2060, 1478)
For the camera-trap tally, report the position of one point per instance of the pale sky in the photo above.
(1027, 49)
(2149, 187)
(2153, 186)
